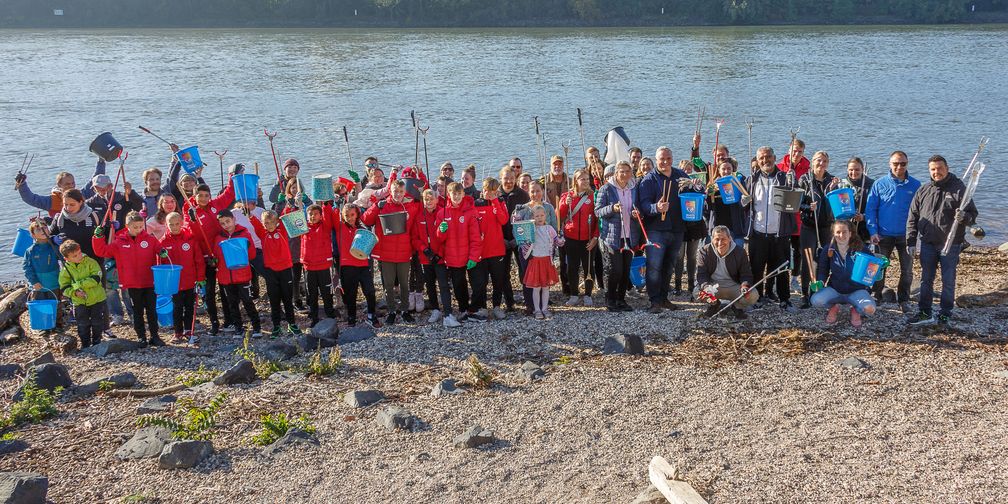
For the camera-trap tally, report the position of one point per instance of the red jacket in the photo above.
(225, 275)
(207, 226)
(492, 216)
(134, 256)
(184, 250)
(462, 240)
(275, 246)
(394, 248)
(344, 238)
(801, 169)
(584, 225)
(424, 234)
(316, 244)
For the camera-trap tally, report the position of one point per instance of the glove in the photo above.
(58, 239)
(912, 251)
(163, 253)
(281, 198)
(471, 264)
(19, 179)
(815, 286)
(99, 232)
(354, 176)
(960, 216)
(192, 215)
(443, 227)
(212, 262)
(746, 200)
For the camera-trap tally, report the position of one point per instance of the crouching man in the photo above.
(723, 274)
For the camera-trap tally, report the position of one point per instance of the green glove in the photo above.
(444, 228)
(99, 232)
(354, 176)
(281, 198)
(163, 253)
(699, 163)
(885, 260)
(471, 264)
(815, 286)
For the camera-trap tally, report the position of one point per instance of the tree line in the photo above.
(279, 13)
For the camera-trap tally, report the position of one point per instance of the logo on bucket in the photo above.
(690, 206)
(871, 271)
(844, 199)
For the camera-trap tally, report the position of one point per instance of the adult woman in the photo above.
(620, 233)
(291, 168)
(836, 264)
(75, 221)
(732, 216)
(815, 214)
(862, 184)
(580, 232)
(644, 167)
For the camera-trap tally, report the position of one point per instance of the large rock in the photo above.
(12, 334)
(122, 380)
(184, 454)
(8, 371)
(279, 351)
(853, 363)
(47, 376)
(157, 404)
(242, 372)
(532, 371)
(12, 446)
(474, 436)
(630, 344)
(147, 442)
(357, 333)
(286, 376)
(23, 488)
(291, 438)
(111, 346)
(326, 328)
(446, 387)
(362, 398)
(395, 417)
(46, 358)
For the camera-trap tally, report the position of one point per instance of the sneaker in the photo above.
(805, 305)
(450, 321)
(373, 321)
(855, 318)
(499, 314)
(739, 313)
(943, 320)
(669, 305)
(612, 306)
(831, 315)
(193, 341)
(412, 301)
(294, 329)
(788, 307)
(482, 312)
(539, 315)
(390, 319)
(156, 342)
(655, 308)
(301, 308)
(624, 306)
(573, 301)
(711, 310)
(546, 313)
(408, 318)
(588, 301)
(230, 328)
(463, 317)
(475, 317)
(434, 316)
(277, 332)
(906, 308)
(257, 333)
(419, 302)
(214, 329)
(178, 338)
(921, 319)
(117, 320)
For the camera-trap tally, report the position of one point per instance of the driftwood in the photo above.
(146, 392)
(663, 477)
(12, 306)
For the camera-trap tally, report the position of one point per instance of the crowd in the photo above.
(450, 244)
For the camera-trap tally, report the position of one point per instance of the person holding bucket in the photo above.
(458, 230)
(134, 251)
(233, 277)
(886, 215)
(317, 256)
(183, 250)
(734, 215)
(580, 233)
(816, 217)
(354, 271)
(81, 279)
(42, 265)
(619, 234)
(861, 183)
(836, 271)
(796, 165)
(391, 219)
(523, 214)
(696, 231)
(431, 251)
(201, 218)
(294, 200)
(771, 229)
(277, 271)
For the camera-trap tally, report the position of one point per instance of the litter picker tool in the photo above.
(220, 156)
(666, 191)
(276, 164)
(584, 149)
(416, 130)
(423, 131)
(539, 141)
(701, 113)
(712, 168)
(647, 241)
(25, 164)
(749, 125)
(778, 270)
(155, 135)
(967, 198)
(346, 141)
(972, 163)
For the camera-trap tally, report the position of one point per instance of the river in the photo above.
(861, 91)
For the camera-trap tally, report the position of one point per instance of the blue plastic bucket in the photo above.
(165, 311)
(363, 243)
(524, 231)
(841, 201)
(22, 242)
(246, 186)
(729, 191)
(638, 268)
(295, 223)
(42, 314)
(692, 206)
(867, 269)
(322, 188)
(190, 160)
(235, 253)
(166, 279)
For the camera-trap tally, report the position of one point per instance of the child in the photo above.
(277, 271)
(134, 251)
(81, 279)
(41, 265)
(393, 250)
(316, 254)
(459, 232)
(200, 212)
(492, 215)
(541, 274)
(156, 224)
(354, 271)
(294, 200)
(243, 212)
(430, 251)
(235, 282)
(183, 250)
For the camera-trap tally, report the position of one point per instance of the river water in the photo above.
(861, 91)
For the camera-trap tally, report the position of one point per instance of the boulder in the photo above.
(532, 371)
(23, 488)
(10, 371)
(279, 351)
(12, 446)
(630, 344)
(147, 442)
(446, 387)
(395, 417)
(111, 346)
(853, 363)
(157, 404)
(242, 372)
(47, 376)
(474, 436)
(291, 438)
(122, 380)
(46, 358)
(363, 398)
(286, 376)
(12, 334)
(326, 328)
(184, 454)
(357, 333)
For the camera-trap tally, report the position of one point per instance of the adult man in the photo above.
(635, 157)
(886, 212)
(516, 166)
(658, 201)
(512, 195)
(556, 182)
(723, 269)
(771, 230)
(936, 209)
(795, 163)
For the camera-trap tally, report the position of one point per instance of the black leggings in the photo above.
(320, 283)
(182, 316)
(577, 259)
(144, 301)
(457, 277)
(280, 289)
(489, 269)
(210, 297)
(297, 272)
(351, 277)
(415, 275)
(241, 292)
(619, 275)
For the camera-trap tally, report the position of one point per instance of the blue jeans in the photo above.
(828, 297)
(930, 259)
(660, 262)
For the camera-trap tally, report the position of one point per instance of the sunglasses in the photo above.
(898, 163)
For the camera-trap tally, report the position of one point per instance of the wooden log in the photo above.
(662, 476)
(12, 306)
(146, 392)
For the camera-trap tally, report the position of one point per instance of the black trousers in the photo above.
(489, 269)
(182, 317)
(564, 281)
(766, 252)
(577, 259)
(144, 302)
(887, 245)
(457, 277)
(241, 293)
(257, 270)
(320, 284)
(797, 261)
(436, 279)
(597, 267)
(351, 277)
(509, 256)
(297, 272)
(280, 289)
(415, 274)
(210, 297)
(619, 275)
(90, 323)
(687, 263)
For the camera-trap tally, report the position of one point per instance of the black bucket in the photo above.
(393, 223)
(414, 188)
(787, 200)
(106, 147)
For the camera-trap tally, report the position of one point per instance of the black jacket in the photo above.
(120, 207)
(816, 191)
(932, 212)
(512, 199)
(737, 263)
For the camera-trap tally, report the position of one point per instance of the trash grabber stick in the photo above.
(749, 125)
(26, 163)
(701, 112)
(566, 150)
(423, 131)
(346, 140)
(155, 135)
(584, 149)
(120, 173)
(220, 155)
(711, 168)
(775, 272)
(967, 198)
(972, 163)
(276, 164)
(535, 124)
(416, 130)
(647, 241)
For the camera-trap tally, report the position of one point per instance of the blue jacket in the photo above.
(889, 204)
(45, 202)
(611, 222)
(41, 265)
(649, 193)
(838, 269)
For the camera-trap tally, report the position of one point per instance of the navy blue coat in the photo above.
(611, 221)
(838, 269)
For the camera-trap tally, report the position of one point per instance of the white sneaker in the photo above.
(450, 321)
(796, 284)
(573, 301)
(588, 301)
(419, 302)
(412, 301)
(499, 314)
(117, 320)
(434, 316)
(519, 298)
(481, 313)
(257, 335)
(546, 313)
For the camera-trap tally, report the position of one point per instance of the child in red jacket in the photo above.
(354, 272)
(430, 250)
(459, 231)
(492, 215)
(183, 250)
(580, 232)
(394, 249)
(235, 282)
(134, 251)
(278, 271)
(200, 212)
(317, 256)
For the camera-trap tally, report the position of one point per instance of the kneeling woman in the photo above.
(836, 264)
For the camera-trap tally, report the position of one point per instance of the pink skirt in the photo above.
(540, 272)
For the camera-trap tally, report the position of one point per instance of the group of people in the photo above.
(451, 246)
